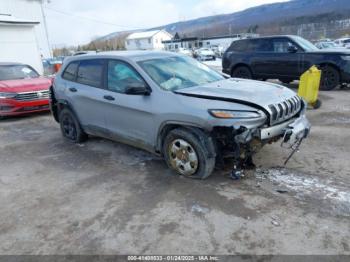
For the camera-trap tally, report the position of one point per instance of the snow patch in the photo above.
(306, 185)
(199, 209)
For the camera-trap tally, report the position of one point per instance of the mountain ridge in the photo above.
(238, 22)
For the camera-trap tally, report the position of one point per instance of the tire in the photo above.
(242, 72)
(70, 127)
(330, 78)
(317, 104)
(189, 154)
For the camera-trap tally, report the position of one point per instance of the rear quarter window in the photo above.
(238, 46)
(70, 71)
(247, 45)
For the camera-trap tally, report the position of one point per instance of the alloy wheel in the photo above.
(69, 128)
(329, 79)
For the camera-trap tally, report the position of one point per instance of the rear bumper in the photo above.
(11, 107)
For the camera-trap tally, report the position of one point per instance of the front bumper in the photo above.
(292, 131)
(11, 107)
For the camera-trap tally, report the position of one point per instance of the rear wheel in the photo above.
(70, 127)
(242, 72)
(189, 154)
(330, 78)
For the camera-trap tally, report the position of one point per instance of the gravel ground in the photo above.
(103, 197)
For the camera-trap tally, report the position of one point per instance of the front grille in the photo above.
(285, 110)
(6, 108)
(30, 96)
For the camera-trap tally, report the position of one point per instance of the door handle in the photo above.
(110, 98)
(73, 89)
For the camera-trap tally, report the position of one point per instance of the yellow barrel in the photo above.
(309, 85)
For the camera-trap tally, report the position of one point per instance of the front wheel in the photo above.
(188, 154)
(242, 72)
(330, 78)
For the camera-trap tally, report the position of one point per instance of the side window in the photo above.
(251, 45)
(281, 45)
(120, 75)
(69, 72)
(264, 45)
(238, 46)
(90, 72)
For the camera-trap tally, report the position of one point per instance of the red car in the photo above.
(22, 90)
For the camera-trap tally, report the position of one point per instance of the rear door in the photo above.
(86, 95)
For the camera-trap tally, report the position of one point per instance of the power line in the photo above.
(90, 19)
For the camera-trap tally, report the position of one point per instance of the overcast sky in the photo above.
(67, 24)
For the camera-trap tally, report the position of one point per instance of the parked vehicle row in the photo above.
(329, 45)
(52, 65)
(343, 42)
(174, 106)
(203, 53)
(285, 58)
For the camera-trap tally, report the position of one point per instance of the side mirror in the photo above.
(292, 49)
(138, 88)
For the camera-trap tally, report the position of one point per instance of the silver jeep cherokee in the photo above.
(174, 106)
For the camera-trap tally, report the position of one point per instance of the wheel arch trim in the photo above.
(167, 126)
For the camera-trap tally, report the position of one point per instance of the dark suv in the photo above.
(285, 58)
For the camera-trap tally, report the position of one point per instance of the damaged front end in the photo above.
(242, 140)
(239, 144)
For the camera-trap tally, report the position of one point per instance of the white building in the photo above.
(23, 36)
(148, 40)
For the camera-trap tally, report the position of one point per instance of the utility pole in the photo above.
(45, 24)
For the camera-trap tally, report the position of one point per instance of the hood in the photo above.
(243, 91)
(334, 51)
(25, 85)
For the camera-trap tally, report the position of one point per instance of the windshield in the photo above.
(305, 44)
(13, 72)
(173, 73)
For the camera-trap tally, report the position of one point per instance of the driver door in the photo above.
(129, 118)
(286, 62)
